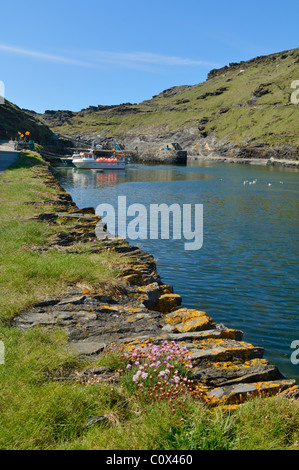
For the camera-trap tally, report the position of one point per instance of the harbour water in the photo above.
(246, 273)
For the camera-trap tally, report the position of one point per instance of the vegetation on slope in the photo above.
(14, 120)
(241, 103)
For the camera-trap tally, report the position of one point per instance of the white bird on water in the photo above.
(250, 182)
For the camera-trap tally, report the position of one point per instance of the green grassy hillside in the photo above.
(14, 120)
(243, 104)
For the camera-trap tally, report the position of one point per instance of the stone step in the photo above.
(190, 338)
(167, 303)
(219, 350)
(240, 392)
(77, 215)
(86, 347)
(184, 339)
(184, 320)
(231, 373)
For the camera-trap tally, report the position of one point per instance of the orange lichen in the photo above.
(86, 291)
(167, 302)
(188, 320)
(246, 364)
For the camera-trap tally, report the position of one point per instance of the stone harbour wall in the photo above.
(226, 369)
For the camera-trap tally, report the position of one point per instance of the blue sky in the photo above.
(72, 54)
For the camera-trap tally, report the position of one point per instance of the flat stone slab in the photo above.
(224, 350)
(237, 393)
(184, 320)
(86, 348)
(74, 300)
(232, 373)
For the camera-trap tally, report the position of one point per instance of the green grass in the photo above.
(14, 120)
(40, 413)
(36, 412)
(27, 275)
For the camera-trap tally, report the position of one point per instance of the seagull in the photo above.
(269, 184)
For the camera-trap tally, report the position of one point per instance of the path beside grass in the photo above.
(8, 156)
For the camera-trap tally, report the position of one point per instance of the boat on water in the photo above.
(89, 161)
(68, 160)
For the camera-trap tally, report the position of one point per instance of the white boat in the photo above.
(68, 160)
(89, 161)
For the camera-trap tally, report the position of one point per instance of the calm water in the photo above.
(246, 273)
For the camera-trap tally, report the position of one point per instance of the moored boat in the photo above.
(89, 161)
(68, 160)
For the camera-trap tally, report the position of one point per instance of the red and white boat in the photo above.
(89, 161)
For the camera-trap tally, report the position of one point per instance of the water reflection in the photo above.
(148, 173)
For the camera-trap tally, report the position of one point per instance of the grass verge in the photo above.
(30, 269)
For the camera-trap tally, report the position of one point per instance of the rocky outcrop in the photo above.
(226, 369)
(57, 118)
(254, 153)
(241, 66)
(171, 156)
(243, 110)
(198, 142)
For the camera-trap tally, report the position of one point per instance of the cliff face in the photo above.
(244, 109)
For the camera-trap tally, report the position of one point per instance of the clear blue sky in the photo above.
(71, 54)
